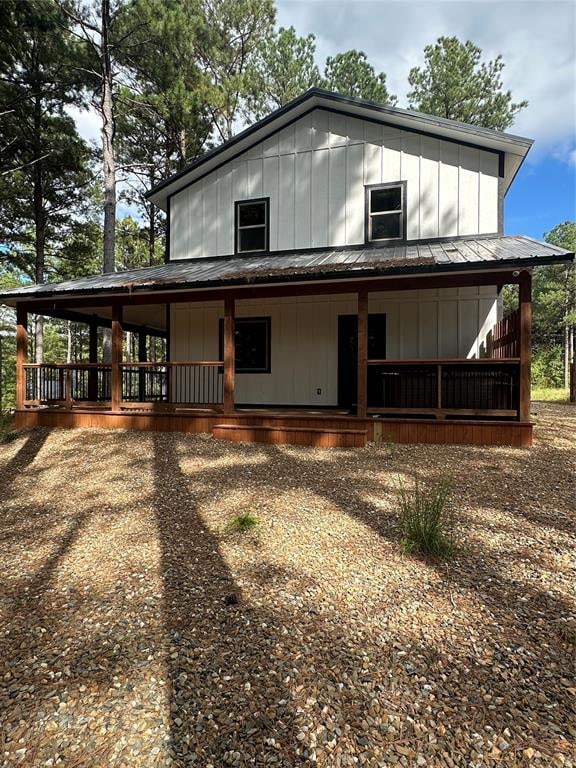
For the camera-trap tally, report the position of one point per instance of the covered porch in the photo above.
(480, 397)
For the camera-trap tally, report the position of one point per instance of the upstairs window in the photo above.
(252, 225)
(385, 212)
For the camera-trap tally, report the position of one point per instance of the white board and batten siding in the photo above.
(422, 324)
(315, 171)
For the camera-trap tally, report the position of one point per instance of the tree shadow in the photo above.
(223, 666)
(10, 472)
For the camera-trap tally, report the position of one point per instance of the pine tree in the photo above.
(456, 83)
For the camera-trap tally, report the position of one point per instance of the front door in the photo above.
(348, 354)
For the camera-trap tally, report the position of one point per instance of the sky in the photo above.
(537, 41)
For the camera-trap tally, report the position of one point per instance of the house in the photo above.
(333, 275)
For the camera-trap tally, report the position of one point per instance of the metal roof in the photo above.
(477, 253)
(516, 147)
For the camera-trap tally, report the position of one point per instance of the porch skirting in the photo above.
(316, 430)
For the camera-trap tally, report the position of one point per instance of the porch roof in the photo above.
(436, 256)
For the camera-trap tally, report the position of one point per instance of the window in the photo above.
(252, 344)
(252, 225)
(385, 212)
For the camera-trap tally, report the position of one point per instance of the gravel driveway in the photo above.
(135, 632)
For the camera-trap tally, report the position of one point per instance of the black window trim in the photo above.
(268, 322)
(237, 204)
(367, 215)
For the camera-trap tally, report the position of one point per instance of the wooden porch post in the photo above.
(525, 297)
(93, 358)
(21, 354)
(142, 358)
(229, 355)
(116, 377)
(362, 396)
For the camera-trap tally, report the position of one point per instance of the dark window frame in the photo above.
(237, 228)
(369, 188)
(238, 321)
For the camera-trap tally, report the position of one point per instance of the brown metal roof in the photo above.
(476, 253)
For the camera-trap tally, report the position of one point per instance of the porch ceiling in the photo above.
(437, 256)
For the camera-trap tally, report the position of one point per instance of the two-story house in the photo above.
(333, 274)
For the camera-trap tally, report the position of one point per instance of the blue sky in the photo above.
(538, 43)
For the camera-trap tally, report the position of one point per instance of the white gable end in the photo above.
(315, 172)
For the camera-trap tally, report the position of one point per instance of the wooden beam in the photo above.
(229, 355)
(101, 322)
(450, 280)
(362, 396)
(525, 299)
(116, 374)
(21, 354)
(142, 358)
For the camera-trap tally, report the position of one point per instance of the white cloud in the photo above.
(536, 40)
(87, 123)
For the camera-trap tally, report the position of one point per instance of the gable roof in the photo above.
(437, 256)
(513, 148)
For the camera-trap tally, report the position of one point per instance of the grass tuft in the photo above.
(426, 522)
(243, 523)
(9, 437)
(550, 394)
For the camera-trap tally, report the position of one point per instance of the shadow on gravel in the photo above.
(14, 467)
(226, 663)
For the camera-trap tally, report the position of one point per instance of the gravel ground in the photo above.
(135, 632)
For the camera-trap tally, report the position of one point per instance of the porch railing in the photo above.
(197, 383)
(441, 388)
(62, 384)
(503, 341)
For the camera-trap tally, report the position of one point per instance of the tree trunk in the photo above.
(108, 130)
(109, 161)
(152, 234)
(181, 149)
(68, 342)
(39, 220)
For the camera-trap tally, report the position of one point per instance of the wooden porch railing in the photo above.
(503, 341)
(196, 383)
(199, 383)
(440, 388)
(67, 383)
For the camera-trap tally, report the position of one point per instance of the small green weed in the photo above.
(427, 524)
(243, 523)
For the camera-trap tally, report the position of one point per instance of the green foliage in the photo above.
(548, 367)
(426, 523)
(550, 394)
(7, 434)
(45, 163)
(243, 523)
(285, 68)
(351, 74)
(235, 33)
(455, 83)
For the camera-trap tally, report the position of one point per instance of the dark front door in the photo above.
(348, 354)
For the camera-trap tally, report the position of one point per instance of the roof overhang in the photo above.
(512, 148)
(489, 255)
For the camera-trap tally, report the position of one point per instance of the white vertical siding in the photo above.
(314, 172)
(304, 336)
